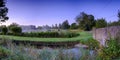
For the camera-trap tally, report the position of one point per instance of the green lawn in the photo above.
(83, 36)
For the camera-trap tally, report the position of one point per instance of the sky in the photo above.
(48, 12)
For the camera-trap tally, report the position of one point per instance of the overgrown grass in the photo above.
(4, 52)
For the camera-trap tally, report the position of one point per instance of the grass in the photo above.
(83, 36)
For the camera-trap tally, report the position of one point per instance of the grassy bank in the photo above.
(83, 36)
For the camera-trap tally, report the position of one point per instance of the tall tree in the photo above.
(100, 23)
(60, 25)
(56, 26)
(65, 25)
(115, 23)
(119, 15)
(3, 11)
(85, 21)
(53, 27)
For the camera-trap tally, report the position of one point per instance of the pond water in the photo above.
(75, 52)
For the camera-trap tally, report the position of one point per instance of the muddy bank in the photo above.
(40, 44)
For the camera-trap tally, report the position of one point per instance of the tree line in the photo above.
(87, 22)
(13, 28)
(83, 21)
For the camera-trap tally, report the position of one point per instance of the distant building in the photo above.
(32, 28)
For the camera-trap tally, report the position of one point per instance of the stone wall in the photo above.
(103, 34)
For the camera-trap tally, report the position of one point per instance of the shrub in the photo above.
(50, 34)
(111, 51)
(16, 30)
(3, 52)
(92, 44)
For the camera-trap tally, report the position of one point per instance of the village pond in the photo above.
(75, 53)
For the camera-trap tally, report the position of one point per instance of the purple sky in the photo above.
(42, 12)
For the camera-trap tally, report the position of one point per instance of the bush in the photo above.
(41, 34)
(3, 52)
(111, 51)
(48, 34)
(92, 44)
(16, 30)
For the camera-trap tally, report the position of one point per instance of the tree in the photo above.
(3, 11)
(65, 25)
(73, 26)
(85, 21)
(53, 27)
(39, 27)
(114, 23)
(4, 30)
(60, 26)
(119, 15)
(12, 25)
(56, 26)
(16, 30)
(100, 23)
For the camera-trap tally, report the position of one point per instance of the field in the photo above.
(83, 36)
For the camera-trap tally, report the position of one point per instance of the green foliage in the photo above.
(73, 26)
(92, 44)
(11, 26)
(4, 52)
(85, 21)
(114, 23)
(111, 51)
(16, 30)
(40, 34)
(50, 34)
(4, 30)
(100, 23)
